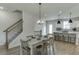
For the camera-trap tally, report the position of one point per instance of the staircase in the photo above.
(13, 32)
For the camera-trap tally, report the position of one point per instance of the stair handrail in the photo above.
(13, 25)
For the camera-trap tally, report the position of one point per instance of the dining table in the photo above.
(34, 42)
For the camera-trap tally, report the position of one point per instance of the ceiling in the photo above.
(49, 10)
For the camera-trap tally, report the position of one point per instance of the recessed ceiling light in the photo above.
(1, 7)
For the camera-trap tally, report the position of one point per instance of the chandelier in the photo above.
(40, 21)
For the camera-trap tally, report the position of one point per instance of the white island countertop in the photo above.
(75, 32)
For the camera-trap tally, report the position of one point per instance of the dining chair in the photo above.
(66, 37)
(56, 36)
(49, 45)
(45, 47)
(25, 49)
(52, 44)
(39, 50)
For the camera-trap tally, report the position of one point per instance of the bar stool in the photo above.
(66, 37)
(56, 36)
(72, 38)
(61, 36)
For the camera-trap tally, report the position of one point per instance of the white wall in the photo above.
(75, 11)
(29, 23)
(7, 18)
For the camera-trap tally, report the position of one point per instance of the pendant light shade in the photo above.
(58, 22)
(70, 20)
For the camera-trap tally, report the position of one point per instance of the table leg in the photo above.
(31, 51)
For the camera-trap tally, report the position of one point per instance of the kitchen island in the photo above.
(77, 37)
(68, 35)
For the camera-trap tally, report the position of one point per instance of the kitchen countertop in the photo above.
(74, 32)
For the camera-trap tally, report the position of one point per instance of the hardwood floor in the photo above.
(61, 48)
(13, 51)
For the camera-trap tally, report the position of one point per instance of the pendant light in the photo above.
(70, 20)
(58, 22)
(40, 21)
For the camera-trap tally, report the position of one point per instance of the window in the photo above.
(66, 25)
(44, 30)
(50, 28)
